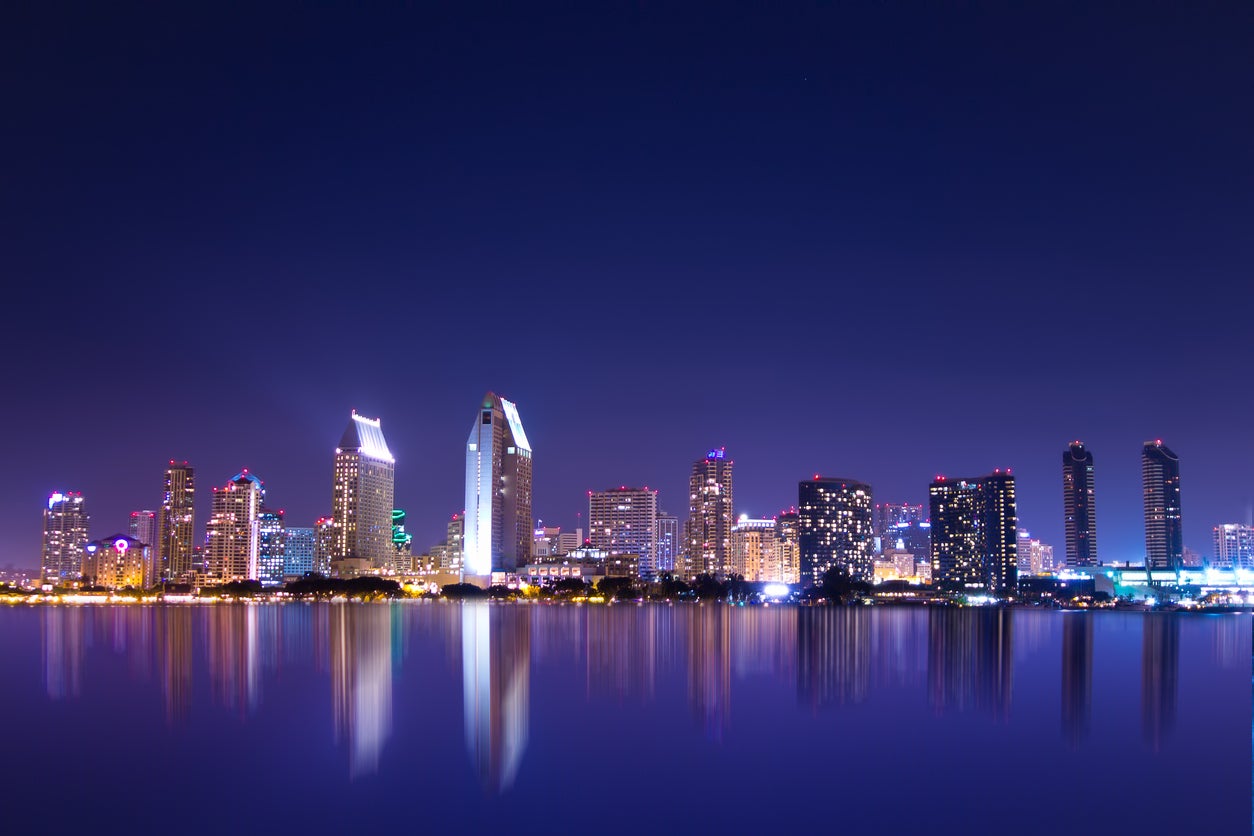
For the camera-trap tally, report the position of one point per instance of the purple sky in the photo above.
(875, 243)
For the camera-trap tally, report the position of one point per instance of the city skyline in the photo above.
(782, 198)
(199, 534)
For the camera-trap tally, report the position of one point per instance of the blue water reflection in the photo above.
(462, 717)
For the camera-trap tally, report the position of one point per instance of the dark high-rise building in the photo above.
(1160, 483)
(178, 514)
(835, 528)
(666, 537)
(271, 546)
(143, 528)
(1079, 512)
(888, 517)
(624, 521)
(710, 518)
(298, 551)
(975, 533)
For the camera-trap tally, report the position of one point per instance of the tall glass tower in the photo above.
(361, 502)
(975, 533)
(1079, 512)
(498, 520)
(710, 518)
(1160, 484)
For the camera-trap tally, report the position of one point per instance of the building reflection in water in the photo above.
(496, 689)
(622, 650)
(970, 659)
(764, 642)
(361, 681)
(174, 660)
(63, 630)
(234, 664)
(709, 666)
(1160, 663)
(833, 655)
(1077, 676)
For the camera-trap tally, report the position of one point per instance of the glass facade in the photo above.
(835, 528)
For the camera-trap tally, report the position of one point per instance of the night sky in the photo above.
(884, 243)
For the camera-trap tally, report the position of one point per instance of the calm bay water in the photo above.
(439, 717)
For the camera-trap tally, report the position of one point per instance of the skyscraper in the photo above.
(788, 544)
(624, 521)
(402, 542)
(143, 528)
(669, 546)
(888, 516)
(232, 535)
(178, 513)
(1079, 511)
(65, 536)
(1160, 483)
(498, 525)
(324, 542)
(710, 516)
(975, 533)
(835, 528)
(298, 551)
(362, 495)
(271, 546)
(1234, 546)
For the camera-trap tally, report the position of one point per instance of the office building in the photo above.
(755, 553)
(232, 535)
(835, 528)
(271, 547)
(298, 551)
(975, 529)
(669, 546)
(788, 545)
(65, 535)
(1160, 484)
(143, 528)
(1079, 510)
(889, 516)
(178, 514)
(624, 521)
(324, 545)
(499, 525)
(710, 518)
(362, 495)
(1234, 546)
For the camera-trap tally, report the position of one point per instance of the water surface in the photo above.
(441, 717)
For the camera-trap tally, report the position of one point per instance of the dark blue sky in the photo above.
(882, 242)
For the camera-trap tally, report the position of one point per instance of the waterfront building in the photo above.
(402, 542)
(178, 514)
(710, 519)
(455, 533)
(836, 528)
(568, 541)
(324, 545)
(975, 533)
(668, 544)
(624, 521)
(1234, 546)
(1079, 510)
(361, 503)
(788, 545)
(298, 551)
(65, 535)
(271, 546)
(143, 527)
(544, 541)
(1160, 484)
(1032, 556)
(755, 553)
(119, 562)
(499, 525)
(1192, 558)
(232, 535)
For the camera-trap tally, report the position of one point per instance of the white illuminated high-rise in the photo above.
(361, 502)
(232, 535)
(498, 523)
(65, 536)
